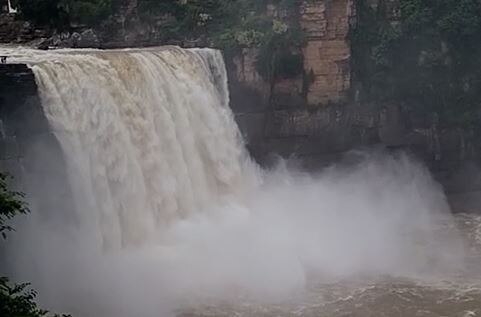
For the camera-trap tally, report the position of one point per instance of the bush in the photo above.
(18, 300)
(11, 205)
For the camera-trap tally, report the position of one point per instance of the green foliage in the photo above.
(60, 13)
(235, 24)
(16, 300)
(189, 17)
(225, 24)
(279, 55)
(11, 204)
(430, 58)
(88, 12)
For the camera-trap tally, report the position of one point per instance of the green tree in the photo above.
(11, 205)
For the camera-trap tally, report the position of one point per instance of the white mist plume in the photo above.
(170, 209)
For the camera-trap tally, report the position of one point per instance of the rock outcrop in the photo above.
(327, 52)
(84, 39)
(28, 148)
(330, 120)
(327, 57)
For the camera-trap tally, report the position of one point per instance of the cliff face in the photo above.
(327, 52)
(29, 151)
(309, 116)
(320, 117)
(326, 57)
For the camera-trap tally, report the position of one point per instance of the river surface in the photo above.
(457, 294)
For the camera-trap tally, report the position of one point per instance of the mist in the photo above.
(379, 216)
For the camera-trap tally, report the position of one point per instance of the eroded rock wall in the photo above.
(327, 57)
(327, 52)
(330, 120)
(29, 150)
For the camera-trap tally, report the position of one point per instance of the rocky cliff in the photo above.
(327, 52)
(319, 117)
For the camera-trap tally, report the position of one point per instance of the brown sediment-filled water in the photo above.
(454, 295)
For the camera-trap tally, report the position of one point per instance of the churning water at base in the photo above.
(172, 218)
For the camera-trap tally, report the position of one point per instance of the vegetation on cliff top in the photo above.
(268, 25)
(232, 25)
(424, 53)
(61, 13)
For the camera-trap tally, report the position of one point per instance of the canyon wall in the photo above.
(320, 117)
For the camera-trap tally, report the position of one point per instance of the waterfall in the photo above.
(147, 134)
(170, 212)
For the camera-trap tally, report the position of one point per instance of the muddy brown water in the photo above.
(451, 296)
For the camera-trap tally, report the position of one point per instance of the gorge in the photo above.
(145, 201)
(272, 180)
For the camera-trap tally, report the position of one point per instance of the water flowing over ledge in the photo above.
(147, 134)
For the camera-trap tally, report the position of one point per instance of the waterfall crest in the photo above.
(147, 134)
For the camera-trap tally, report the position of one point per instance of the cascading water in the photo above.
(147, 135)
(169, 212)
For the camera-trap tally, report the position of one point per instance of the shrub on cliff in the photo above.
(236, 24)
